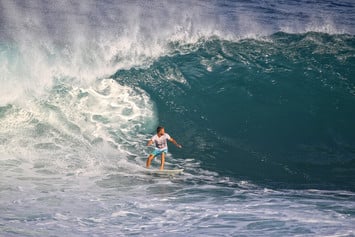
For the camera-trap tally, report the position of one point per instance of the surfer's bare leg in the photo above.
(149, 160)
(162, 161)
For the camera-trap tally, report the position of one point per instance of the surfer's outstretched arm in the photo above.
(174, 142)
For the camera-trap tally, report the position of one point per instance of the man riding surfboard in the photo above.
(161, 147)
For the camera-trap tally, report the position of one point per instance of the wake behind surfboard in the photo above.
(165, 172)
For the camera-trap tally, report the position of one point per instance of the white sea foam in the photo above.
(67, 127)
(86, 41)
(72, 142)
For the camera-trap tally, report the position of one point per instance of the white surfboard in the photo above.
(165, 172)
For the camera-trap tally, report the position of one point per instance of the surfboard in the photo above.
(165, 172)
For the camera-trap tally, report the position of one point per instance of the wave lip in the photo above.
(90, 40)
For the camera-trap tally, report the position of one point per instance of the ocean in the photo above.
(261, 95)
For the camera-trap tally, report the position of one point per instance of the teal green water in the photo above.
(279, 110)
(261, 94)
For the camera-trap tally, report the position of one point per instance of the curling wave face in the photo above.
(261, 96)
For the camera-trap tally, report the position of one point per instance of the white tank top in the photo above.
(161, 142)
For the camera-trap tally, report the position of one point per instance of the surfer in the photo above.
(161, 147)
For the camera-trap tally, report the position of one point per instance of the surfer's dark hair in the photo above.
(159, 128)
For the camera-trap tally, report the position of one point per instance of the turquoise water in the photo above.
(279, 109)
(260, 94)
